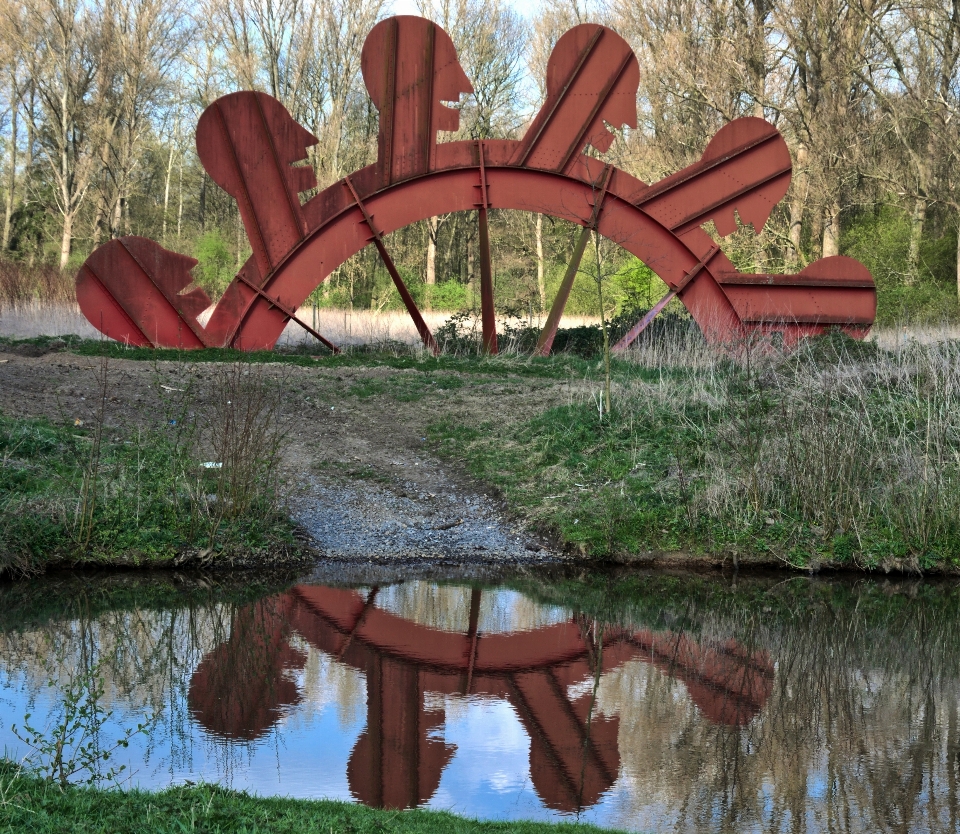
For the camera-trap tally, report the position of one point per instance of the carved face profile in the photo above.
(249, 144)
(592, 80)
(412, 73)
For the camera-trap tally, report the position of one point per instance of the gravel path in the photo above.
(395, 524)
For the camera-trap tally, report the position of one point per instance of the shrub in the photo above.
(881, 241)
(214, 270)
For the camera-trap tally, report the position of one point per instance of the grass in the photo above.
(402, 357)
(405, 389)
(87, 494)
(28, 803)
(150, 511)
(838, 454)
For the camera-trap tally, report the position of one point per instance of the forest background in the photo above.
(99, 100)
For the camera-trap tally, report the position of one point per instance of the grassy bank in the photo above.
(195, 486)
(838, 454)
(28, 803)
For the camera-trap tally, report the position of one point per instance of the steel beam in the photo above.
(411, 305)
(287, 311)
(488, 315)
(549, 332)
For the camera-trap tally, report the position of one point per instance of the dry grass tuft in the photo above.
(21, 284)
(842, 437)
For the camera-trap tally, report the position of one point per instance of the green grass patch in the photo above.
(31, 804)
(597, 484)
(406, 387)
(558, 366)
(66, 496)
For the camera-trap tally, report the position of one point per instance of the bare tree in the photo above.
(150, 38)
(921, 52)
(76, 61)
(490, 38)
(16, 69)
(828, 105)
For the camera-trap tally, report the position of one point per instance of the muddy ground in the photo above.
(360, 478)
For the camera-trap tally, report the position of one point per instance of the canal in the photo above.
(644, 701)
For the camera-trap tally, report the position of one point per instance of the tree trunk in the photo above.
(203, 202)
(180, 205)
(30, 135)
(541, 287)
(11, 175)
(166, 195)
(916, 234)
(958, 261)
(117, 217)
(796, 207)
(816, 235)
(66, 242)
(98, 222)
(472, 273)
(239, 239)
(431, 278)
(831, 231)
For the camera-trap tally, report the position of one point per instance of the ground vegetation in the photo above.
(838, 454)
(195, 483)
(27, 801)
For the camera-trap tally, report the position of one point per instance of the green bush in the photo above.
(449, 295)
(214, 270)
(880, 240)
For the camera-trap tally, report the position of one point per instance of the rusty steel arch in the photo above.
(134, 290)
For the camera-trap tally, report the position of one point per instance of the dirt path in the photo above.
(360, 478)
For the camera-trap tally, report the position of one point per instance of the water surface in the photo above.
(642, 701)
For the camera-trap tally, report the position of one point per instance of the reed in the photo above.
(855, 446)
(22, 284)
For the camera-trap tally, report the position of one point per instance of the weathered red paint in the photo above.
(131, 289)
(488, 315)
(252, 148)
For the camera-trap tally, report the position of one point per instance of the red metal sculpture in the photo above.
(132, 289)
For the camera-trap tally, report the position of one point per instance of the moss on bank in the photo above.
(31, 804)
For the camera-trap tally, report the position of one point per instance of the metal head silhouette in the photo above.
(411, 69)
(592, 81)
(249, 144)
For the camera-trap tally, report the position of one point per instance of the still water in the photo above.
(648, 702)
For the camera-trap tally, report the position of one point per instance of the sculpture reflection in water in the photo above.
(242, 688)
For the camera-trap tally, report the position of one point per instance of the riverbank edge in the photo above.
(304, 556)
(302, 553)
(29, 802)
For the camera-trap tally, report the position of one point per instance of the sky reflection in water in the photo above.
(645, 702)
